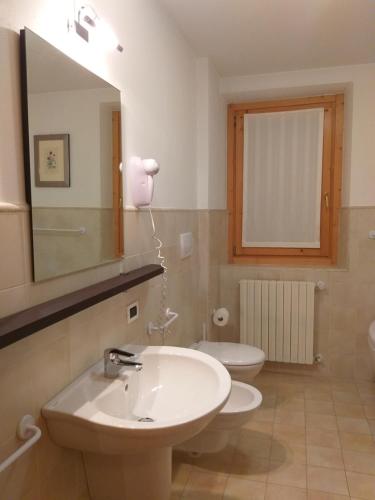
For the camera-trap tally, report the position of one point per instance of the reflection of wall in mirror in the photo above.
(87, 116)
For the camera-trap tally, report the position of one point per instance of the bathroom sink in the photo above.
(176, 394)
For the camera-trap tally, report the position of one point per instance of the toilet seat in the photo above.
(231, 353)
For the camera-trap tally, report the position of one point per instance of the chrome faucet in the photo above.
(113, 363)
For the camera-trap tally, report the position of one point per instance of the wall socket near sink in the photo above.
(132, 312)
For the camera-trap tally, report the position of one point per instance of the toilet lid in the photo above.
(371, 333)
(230, 353)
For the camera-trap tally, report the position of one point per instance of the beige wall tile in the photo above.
(342, 312)
(12, 257)
(41, 365)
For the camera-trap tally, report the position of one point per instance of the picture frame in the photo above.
(52, 160)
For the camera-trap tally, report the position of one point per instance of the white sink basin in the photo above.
(178, 392)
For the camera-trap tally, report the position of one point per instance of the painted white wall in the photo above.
(358, 83)
(156, 73)
(211, 138)
(79, 114)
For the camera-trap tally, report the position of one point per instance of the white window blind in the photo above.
(282, 178)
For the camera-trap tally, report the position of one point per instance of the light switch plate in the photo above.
(186, 245)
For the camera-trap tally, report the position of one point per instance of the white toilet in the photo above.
(371, 341)
(242, 401)
(243, 362)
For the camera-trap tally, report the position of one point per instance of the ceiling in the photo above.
(261, 36)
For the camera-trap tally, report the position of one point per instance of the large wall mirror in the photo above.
(72, 143)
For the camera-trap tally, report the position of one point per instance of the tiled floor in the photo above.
(311, 439)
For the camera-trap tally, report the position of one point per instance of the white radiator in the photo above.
(278, 317)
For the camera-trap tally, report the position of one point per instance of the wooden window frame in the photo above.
(331, 183)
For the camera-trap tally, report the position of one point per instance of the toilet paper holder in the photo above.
(220, 316)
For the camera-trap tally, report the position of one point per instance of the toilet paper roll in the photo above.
(220, 316)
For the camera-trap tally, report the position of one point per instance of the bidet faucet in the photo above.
(113, 363)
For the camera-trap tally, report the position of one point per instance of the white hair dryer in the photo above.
(141, 182)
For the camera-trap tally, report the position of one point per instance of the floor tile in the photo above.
(288, 474)
(321, 495)
(370, 410)
(290, 417)
(340, 386)
(358, 425)
(371, 423)
(325, 457)
(290, 404)
(264, 415)
(254, 444)
(265, 428)
(322, 422)
(283, 451)
(317, 437)
(359, 462)
(201, 484)
(214, 462)
(247, 467)
(361, 485)
(321, 407)
(349, 410)
(278, 492)
(318, 395)
(180, 476)
(294, 434)
(243, 489)
(357, 442)
(346, 397)
(310, 439)
(328, 480)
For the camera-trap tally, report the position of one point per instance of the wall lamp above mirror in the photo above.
(89, 26)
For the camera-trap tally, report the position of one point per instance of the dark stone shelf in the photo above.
(25, 323)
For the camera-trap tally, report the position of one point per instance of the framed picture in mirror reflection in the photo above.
(52, 163)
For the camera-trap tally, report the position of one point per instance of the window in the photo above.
(284, 180)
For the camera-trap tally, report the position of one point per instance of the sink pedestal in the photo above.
(143, 475)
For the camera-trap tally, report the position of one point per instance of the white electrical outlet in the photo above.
(132, 312)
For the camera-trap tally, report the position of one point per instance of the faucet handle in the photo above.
(118, 352)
